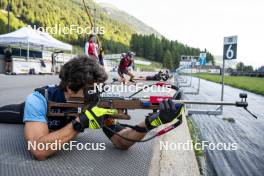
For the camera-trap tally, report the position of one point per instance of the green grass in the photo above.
(150, 68)
(195, 137)
(199, 153)
(251, 84)
(230, 120)
(153, 67)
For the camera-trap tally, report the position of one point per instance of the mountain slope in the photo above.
(139, 26)
(119, 27)
(48, 13)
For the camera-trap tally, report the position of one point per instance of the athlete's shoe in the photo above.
(115, 79)
(133, 81)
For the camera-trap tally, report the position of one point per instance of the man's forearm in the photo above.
(130, 134)
(62, 136)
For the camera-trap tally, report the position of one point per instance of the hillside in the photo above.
(119, 15)
(122, 31)
(46, 13)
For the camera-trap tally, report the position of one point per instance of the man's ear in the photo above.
(80, 93)
(68, 90)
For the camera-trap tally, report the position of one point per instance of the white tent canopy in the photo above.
(33, 38)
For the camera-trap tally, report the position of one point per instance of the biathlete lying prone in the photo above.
(76, 76)
(162, 75)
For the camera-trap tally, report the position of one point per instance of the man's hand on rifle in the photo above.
(94, 118)
(168, 111)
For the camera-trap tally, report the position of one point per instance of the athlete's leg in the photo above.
(7, 67)
(131, 76)
(12, 114)
(121, 74)
(150, 78)
(140, 78)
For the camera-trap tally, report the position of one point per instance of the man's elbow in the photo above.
(122, 147)
(39, 155)
(120, 144)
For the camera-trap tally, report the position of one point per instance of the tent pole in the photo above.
(8, 16)
(28, 51)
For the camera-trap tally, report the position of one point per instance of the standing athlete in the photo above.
(91, 48)
(101, 56)
(125, 62)
(8, 60)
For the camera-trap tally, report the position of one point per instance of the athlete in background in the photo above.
(162, 75)
(8, 60)
(125, 62)
(101, 56)
(91, 49)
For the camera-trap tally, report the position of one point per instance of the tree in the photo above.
(153, 48)
(158, 51)
(244, 68)
(240, 66)
(167, 60)
(248, 68)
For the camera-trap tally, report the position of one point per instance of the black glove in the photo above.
(168, 111)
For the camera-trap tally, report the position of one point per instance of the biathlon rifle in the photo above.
(123, 104)
(76, 106)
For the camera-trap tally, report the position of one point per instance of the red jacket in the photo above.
(125, 63)
(91, 48)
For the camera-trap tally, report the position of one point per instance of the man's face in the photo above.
(73, 94)
(90, 88)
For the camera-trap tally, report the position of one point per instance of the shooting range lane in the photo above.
(16, 160)
(246, 131)
(171, 161)
(15, 88)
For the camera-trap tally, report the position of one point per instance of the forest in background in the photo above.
(163, 50)
(118, 38)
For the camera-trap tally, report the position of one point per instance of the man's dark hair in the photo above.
(80, 71)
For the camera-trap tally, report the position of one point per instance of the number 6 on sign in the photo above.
(230, 52)
(230, 47)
